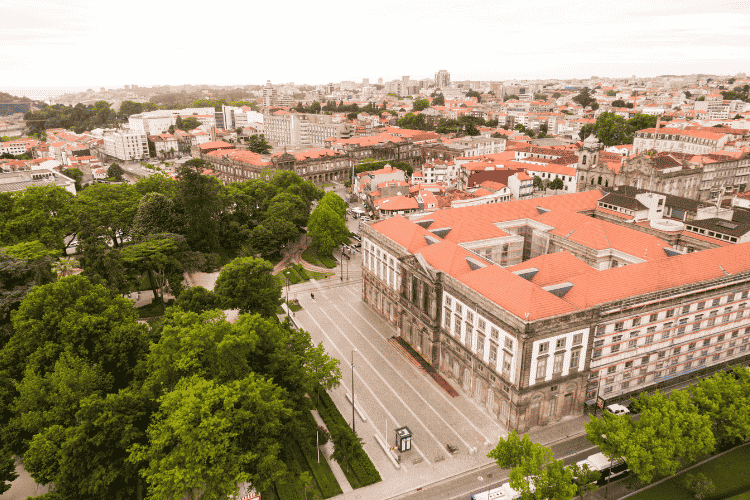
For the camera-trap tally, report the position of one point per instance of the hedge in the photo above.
(361, 464)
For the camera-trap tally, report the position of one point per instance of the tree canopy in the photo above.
(42, 213)
(247, 284)
(584, 98)
(327, 229)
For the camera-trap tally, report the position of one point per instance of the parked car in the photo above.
(617, 410)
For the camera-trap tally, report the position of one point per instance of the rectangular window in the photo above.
(557, 365)
(626, 384)
(653, 318)
(727, 312)
(615, 348)
(494, 333)
(507, 360)
(715, 357)
(560, 344)
(574, 358)
(619, 325)
(721, 337)
(636, 321)
(635, 333)
(541, 368)
(651, 329)
(665, 334)
(701, 305)
(744, 294)
(670, 313)
(597, 354)
(715, 302)
(508, 343)
(493, 354)
(662, 354)
(735, 333)
(685, 309)
(447, 322)
(612, 369)
(632, 344)
(577, 338)
(730, 298)
(543, 347)
(480, 345)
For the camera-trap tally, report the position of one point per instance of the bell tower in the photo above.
(588, 157)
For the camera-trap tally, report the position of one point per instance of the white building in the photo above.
(126, 145)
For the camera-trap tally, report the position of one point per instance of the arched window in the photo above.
(600, 180)
(606, 183)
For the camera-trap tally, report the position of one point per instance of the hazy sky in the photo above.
(93, 43)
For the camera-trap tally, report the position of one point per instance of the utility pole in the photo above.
(353, 429)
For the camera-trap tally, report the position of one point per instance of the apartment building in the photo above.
(126, 146)
(534, 330)
(304, 130)
(679, 141)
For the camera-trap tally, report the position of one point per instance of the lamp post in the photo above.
(353, 351)
(287, 293)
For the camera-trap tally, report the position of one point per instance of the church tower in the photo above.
(588, 157)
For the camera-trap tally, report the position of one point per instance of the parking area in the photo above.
(392, 391)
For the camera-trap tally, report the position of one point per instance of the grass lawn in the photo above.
(728, 473)
(309, 255)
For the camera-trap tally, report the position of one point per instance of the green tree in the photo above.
(438, 99)
(305, 480)
(557, 184)
(556, 95)
(533, 468)
(178, 123)
(699, 485)
(335, 202)
(669, 433)
(346, 444)
(584, 98)
(156, 214)
(93, 458)
(43, 213)
(115, 171)
(258, 144)
(315, 107)
(76, 175)
(157, 183)
(54, 398)
(268, 238)
(538, 184)
(198, 204)
(586, 130)
(289, 206)
(474, 93)
(207, 438)
(197, 299)
(725, 399)
(247, 284)
(420, 104)
(160, 258)
(584, 479)
(189, 124)
(619, 103)
(105, 211)
(323, 371)
(22, 267)
(7, 470)
(74, 315)
(327, 229)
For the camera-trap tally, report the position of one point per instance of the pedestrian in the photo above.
(312, 295)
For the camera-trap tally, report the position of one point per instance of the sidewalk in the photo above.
(327, 450)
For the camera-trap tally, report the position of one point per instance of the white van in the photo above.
(616, 409)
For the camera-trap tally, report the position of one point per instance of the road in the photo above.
(467, 484)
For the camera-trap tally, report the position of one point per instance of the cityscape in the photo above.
(486, 273)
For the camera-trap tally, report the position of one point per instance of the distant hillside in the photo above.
(10, 104)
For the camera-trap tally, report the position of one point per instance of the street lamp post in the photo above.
(287, 293)
(353, 351)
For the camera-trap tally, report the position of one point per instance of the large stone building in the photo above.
(702, 177)
(533, 308)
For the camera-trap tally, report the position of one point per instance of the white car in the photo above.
(616, 409)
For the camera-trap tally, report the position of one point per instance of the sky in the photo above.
(92, 44)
